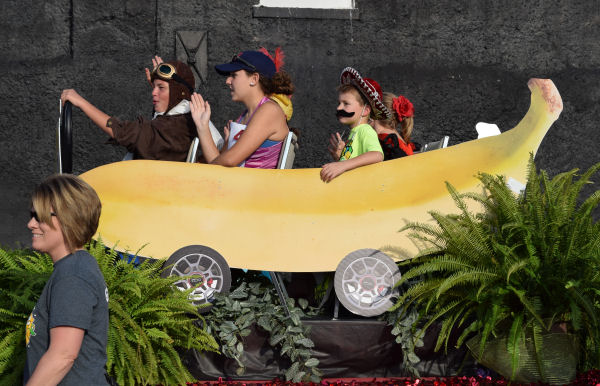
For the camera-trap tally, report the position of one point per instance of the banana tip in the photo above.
(549, 93)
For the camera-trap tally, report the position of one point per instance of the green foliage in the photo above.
(148, 318)
(233, 315)
(23, 275)
(525, 263)
(407, 336)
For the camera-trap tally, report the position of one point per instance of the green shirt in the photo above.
(362, 139)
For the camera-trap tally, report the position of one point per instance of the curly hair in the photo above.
(280, 83)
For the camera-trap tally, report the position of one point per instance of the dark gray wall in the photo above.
(459, 62)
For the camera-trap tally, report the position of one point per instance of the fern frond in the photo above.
(515, 337)
(474, 277)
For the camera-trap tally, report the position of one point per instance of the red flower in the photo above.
(403, 107)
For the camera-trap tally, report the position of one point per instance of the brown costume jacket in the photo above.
(166, 138)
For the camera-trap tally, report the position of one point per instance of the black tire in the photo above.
(365, 282)
(210, 270)
(65, 140)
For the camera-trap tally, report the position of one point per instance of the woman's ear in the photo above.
(254, 79)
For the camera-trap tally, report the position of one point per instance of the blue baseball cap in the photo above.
(253, 61)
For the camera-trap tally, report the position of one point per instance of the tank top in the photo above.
(267, 154)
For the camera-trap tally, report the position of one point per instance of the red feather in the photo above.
(279, 56)
(264, 51)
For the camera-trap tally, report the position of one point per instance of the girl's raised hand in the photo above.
(200, 110)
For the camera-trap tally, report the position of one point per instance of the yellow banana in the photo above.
(289, 220)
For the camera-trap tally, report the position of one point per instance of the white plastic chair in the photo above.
(288, 152)
(442, 143)
(193, 152)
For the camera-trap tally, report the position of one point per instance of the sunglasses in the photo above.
(166, 71)
(237, 58)
(34, 215)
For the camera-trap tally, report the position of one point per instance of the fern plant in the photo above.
(524, 264)
(149, 319)
(233, 315)
(23, 275)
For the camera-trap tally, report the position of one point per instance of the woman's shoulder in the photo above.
(270, 108)
(79, 264)
(269, 118)
(271, 105)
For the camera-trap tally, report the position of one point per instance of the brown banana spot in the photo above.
(549, 93)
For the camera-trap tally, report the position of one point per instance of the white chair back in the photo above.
(442, 143)
(288, 152)
(192, 156)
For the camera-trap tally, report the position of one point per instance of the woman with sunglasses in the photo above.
(168, 135)
(67, 331)
(255, 139)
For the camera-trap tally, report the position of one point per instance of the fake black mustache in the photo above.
(343, 114)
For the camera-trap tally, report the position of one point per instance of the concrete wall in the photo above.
(459, 62)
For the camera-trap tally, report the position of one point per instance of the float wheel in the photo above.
(364, 282)
(201, 268)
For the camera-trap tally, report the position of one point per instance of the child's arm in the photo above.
(334, 169)
(95, 114)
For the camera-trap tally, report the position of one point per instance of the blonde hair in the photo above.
(406, 124)
(75, 203)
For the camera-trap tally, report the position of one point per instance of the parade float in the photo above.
(203, 219)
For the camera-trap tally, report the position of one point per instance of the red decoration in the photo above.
(403, 108)
(278, 59)
(372, 83)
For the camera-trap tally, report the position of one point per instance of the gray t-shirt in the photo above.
(74, 296)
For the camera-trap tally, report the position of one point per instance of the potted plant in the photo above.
(510, 278)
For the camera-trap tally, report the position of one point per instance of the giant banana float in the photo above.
(289, 220)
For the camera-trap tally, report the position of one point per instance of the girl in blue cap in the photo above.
(255, 139)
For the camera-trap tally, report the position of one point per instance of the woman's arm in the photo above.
(65, 343)
(97, 116)
(334, 169)
(259, 129)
